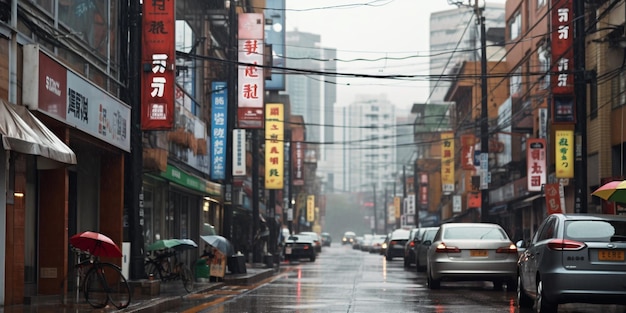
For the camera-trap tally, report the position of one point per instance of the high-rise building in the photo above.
(370, 143)
(313, 94)
(454, 38)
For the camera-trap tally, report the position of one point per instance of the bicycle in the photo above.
(100, 282)
(159, 265)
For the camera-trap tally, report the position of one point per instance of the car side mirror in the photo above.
(521, 244)
(427, 242)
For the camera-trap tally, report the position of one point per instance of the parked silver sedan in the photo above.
(574, 258)
(472, 251)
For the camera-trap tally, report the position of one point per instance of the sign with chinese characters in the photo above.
(51, 88)
(219, 109)
(239, 152)
(562, 79)
(158, 64)
(297, 156)
(409, 205)
(554, 194)
(447, 162)
(536, 163)
(467, 149)
(251, 79)
(310, 208)
(274, 145)
(564, 154)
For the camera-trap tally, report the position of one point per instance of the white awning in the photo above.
(22, 132)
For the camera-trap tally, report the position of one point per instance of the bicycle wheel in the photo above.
(187, 277)
(117, 286)
(95, 289)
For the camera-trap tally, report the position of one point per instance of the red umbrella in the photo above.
(96, 244)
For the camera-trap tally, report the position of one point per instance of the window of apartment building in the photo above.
(543, 58)
(618, 91)
(515, 80)
(374, 108)
(87, 20)
(515, 25)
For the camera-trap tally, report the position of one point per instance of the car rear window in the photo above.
(474, 233)
(595, 230)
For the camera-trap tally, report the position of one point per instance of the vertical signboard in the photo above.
(159, 65)
(447, 162)
(274, 145)
(536, 163)
(562, 39)
(564, 154)
(219, 103)
(250, 71)
(553, 198)
(239, 152)
(310, 208)
(297, 156)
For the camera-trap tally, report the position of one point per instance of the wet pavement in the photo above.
(171, 294)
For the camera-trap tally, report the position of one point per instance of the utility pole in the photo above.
(375, 215)
(385, 210)
(484, 117)
(580, 97)
(403, 208)
(231, 112)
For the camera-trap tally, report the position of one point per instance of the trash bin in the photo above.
(237, 264)
(202, 270)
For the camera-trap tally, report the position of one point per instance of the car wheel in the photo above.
(312, 258)
(433, 283)
(543, 305)
(523, 300)
(406, 261)
(389, 258)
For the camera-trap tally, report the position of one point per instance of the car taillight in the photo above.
(306, 247)
(412, 244)
(442, 248)
(510, 249)
(565, 245)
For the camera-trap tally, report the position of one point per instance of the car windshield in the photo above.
(595, 230)
(474, 232)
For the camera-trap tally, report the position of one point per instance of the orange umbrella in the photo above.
(612, 191)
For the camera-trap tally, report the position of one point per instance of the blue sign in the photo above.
(219, 105)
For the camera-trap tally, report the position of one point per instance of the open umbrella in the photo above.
(96, 244)
(178, 244)
(612, 191)
(220, 243)
(208, 229)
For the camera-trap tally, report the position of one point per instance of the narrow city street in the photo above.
(347, 280)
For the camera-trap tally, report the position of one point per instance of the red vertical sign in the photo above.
(562, 78)
(158, 65)
(553, 198)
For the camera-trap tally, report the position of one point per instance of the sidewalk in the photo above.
(169, 295)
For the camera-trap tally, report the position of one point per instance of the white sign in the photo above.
(456, 204)
(239, 152)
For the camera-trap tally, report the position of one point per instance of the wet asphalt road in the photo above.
(346, 280)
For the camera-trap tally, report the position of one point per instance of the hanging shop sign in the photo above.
(467, 152)
(554, 195)
(536, 170)
(158, 64)
(274, 145)
(310, 208)
(297, 156)
(250, 71)
(447, 162)
(564, 154)
(219, 120)
(562, 39)
(239, 152)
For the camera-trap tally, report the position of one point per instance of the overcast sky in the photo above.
(373, 29)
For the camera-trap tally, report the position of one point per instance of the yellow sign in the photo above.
(564, 154)
(274, 145)
(447, 162)
(310, 208)
(396, 204)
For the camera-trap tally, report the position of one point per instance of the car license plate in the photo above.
(287, 250)
(478, 253)
(611, 255)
